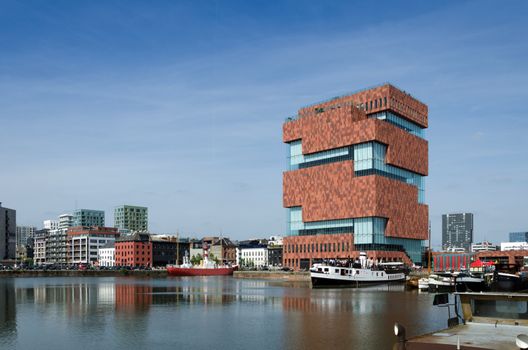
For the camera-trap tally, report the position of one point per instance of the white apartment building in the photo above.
(514, 245)
(106, 256)
(483, 247)
(51, 224)
(253, 253)
(84, 248)
(39, 249)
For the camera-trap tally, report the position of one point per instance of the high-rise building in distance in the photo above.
(88, 218)
(356, 178)
(129, 218)
(7, 233)
(23, 233)
(519, 236)
(457, 231)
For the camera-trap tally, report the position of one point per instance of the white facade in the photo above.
(514, 245)
(275, 241)
(84, 249)
(483, 247)
(106, 257)
(65, 221)
(51, 224)
(256, 257)
(455, 250)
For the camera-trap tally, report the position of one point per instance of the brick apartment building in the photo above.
(355, 178)
(133, 250)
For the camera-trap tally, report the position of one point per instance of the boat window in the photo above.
(336, 270)
(376, 274)
(319, 269)
(500, 309)
(326, 269)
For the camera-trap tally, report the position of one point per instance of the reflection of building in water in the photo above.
(7, 312)
(106, 293)
(331, 318)
(74, 300)
(133, 297)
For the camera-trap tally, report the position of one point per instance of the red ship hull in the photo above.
(196, 271)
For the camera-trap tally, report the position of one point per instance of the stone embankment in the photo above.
(85, 273)
(274, 275)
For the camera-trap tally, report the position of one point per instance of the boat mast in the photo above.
(429, 252)
(177, 248)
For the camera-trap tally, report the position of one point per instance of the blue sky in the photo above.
(178, 105)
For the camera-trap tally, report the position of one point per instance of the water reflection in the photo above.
(127, 312)
(7, 311)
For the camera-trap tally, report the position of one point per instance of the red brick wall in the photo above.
(350, 126)
(132, 253)
(330, 192)
(397, 101)
(312, 247)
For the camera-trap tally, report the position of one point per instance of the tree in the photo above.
(212, 257)
(196, 259)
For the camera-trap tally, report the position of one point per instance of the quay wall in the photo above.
(86, 273)
(274, 275)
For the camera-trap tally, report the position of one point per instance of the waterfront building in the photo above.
(197, 245)
(56, 246)
(483, 247)
(275, 246)
(457, 231)
(128, 218)
(50, 224)
(517, 257)
(65, 221)
(220, 248)
(84, 243)
(356, 178)
(252, 253)
(7, 235)
(39, 250)
(106, 255)
(519, 236)
(505, 246)
(224, 250)
(451, 261)
(88, 218)
(23, 233)
(163, 249)
(133, 250)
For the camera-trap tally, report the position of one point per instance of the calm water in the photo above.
(204, 313)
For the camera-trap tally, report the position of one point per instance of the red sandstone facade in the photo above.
(332, 191)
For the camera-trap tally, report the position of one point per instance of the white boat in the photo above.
(423, 283)
(357, 274)
(441, 283)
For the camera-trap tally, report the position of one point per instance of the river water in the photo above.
(205, 313)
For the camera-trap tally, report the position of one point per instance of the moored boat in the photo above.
(356, 274)
(441, 282)
(467, 282)
(206, 268)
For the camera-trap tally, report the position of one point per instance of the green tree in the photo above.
(196, 259)
(212, 257)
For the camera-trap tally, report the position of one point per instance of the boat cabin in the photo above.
(486, 321)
